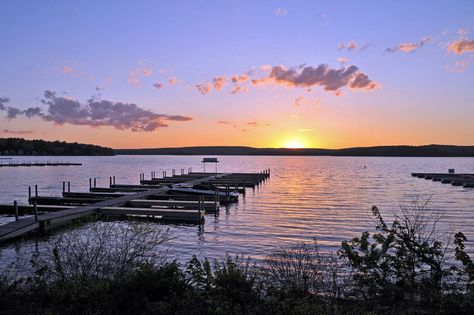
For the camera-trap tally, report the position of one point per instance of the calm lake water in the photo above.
(306, 198)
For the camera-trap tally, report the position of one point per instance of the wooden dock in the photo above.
(165, 199)
(465, 180)
(40, 164)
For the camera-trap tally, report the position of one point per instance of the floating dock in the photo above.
(464, 180)
(177, 198)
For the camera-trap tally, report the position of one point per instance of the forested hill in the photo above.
(19, 146)
(433, 150)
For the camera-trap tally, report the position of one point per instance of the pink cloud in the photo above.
(204, 88)
(239, 78)
(461, 46)
(409, 47)
(219, 82)
(172, 80)
(67, 69)
(238, 89)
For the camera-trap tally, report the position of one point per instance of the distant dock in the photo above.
(177, 198)
(464, 180)
(40, 164)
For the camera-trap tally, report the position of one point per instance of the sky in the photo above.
(327, 74)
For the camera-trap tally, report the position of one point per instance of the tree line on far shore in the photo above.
(19, 146)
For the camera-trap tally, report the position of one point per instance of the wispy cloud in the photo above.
(281, 12)
(409, 47)
(172, 80)
(94, 112)
(135, 76)
(352, 46)
(17, 132)
(67, 69)
(342, 60)
(458, 66)
(204, 88)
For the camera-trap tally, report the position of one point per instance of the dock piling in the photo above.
(29, 192)
(64, 186)
(36, 190)
(35, 210)
(15, 205)
(68, 186)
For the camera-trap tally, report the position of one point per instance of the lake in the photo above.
(306, 198)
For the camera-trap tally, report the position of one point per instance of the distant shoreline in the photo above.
(434, 150)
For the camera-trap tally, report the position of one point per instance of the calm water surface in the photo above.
(326, 198)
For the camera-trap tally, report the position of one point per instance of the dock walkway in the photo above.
(154, 200)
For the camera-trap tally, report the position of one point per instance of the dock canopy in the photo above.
(209, 160)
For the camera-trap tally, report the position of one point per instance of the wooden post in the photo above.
(15, 205)
(114, 180)
(227, 190)
(68, 186)
(216, 200)
(35, 209)
(36, 190)
(29, 192)
(110, 181)
(200, 207)
(64, 186)
(90, 184)
(95, 182)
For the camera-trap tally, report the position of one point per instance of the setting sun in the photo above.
(294, 144)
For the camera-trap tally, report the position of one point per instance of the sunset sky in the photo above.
(132, 74)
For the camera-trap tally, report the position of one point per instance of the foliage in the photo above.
(19, 146)
(402, 268)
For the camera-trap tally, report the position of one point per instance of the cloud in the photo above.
(95, 113)
(329, 79)
(225, 122)
(342, 60)
(461, 46)
(458, 66)
(241, 78)
(3, 101)
(238, 89)
(219, 82)
(352, 46)
(281, 12)
(257, 124)
(298, 101)
(135, 75)
(158, 85)
(67, 69)
(172, 80)
(300, 76)
(13, 112)
(301, 100)
(17, 132)
(204, 88)
(409, 47)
